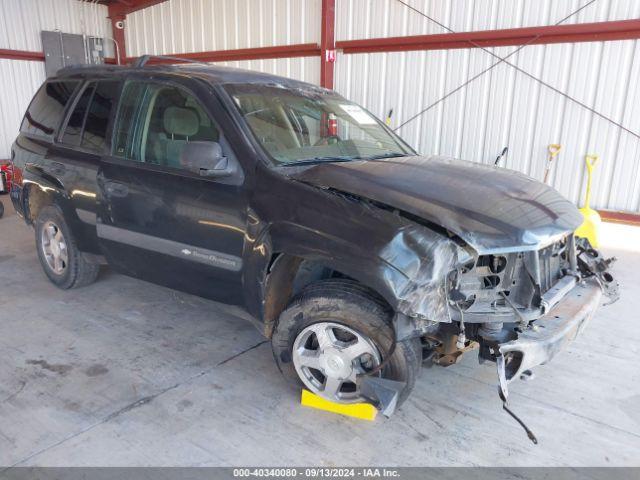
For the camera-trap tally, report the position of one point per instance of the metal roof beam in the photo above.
(573, 33)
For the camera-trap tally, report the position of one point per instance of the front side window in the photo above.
(129, 114)
(302, 125)
(157, 121)
(46, 110)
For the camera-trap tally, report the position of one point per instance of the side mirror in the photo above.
(206, 159)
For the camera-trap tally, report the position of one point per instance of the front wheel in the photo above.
(335, 331)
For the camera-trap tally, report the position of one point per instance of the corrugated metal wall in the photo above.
(357, 19)
(180, 26)
(504, 107)
(20, 80)
(501, 108)
(20, 24)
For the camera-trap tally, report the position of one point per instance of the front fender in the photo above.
(409, 269)
(332, 252)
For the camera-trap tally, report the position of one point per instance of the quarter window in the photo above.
(46, 110)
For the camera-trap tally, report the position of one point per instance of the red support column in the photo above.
(118, 17)
(327, 43)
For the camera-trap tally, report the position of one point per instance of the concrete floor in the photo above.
(127, 373)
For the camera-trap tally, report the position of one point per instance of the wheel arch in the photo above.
(285, 273)
(39, 194)
(36, 196)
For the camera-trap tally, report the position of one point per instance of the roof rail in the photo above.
(142, 61)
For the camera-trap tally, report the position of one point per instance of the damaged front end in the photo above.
(526, 306)
(521, 308)
(518, 308)
(496, 268)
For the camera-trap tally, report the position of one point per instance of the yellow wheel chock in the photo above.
(363, 411)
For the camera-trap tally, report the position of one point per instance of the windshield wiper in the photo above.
(385, 155)
(312, 161)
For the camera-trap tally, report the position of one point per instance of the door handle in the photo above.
(116, 189)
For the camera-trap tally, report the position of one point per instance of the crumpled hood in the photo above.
(492, 209)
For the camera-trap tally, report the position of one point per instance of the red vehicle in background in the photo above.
(5, 181)
(5, 176)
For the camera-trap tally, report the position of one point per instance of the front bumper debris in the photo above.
(593, 265)
(545, 337)
(550, 333)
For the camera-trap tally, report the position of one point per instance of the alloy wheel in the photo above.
(54, 248)
(328, 357)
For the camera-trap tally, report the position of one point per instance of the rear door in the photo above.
(75, 157)
(159, 221)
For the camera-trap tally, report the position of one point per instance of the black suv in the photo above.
(357, 257)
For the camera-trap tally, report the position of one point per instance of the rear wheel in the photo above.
(61, 260)
(335, 331)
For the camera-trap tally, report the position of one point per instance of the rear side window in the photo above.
(95, 127)
(87, 124)
(47, 108)
(73, 131)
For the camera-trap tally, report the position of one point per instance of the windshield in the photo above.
(297, 126)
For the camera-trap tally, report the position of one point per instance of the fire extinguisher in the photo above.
(332, 126)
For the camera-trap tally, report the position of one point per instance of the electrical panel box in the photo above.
(66, 49)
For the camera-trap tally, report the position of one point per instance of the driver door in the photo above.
(159, 220)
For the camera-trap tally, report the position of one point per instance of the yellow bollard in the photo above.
(590, 228)
(364, 411)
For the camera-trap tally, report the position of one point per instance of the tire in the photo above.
(1, 209)
(348, 303)
(76, 271)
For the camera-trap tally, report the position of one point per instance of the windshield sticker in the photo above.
(358, 114)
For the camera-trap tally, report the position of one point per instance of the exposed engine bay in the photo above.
(495, 298)
(521, 308)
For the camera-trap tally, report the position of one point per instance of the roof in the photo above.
(211, 73)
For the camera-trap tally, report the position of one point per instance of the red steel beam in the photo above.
(21, 55)
(581, 32)
(620, 217)
(118, 19)
(124, 7)
(118, 11)
(34, 56)
(327, 43)
(140, 4)
(260, 53)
